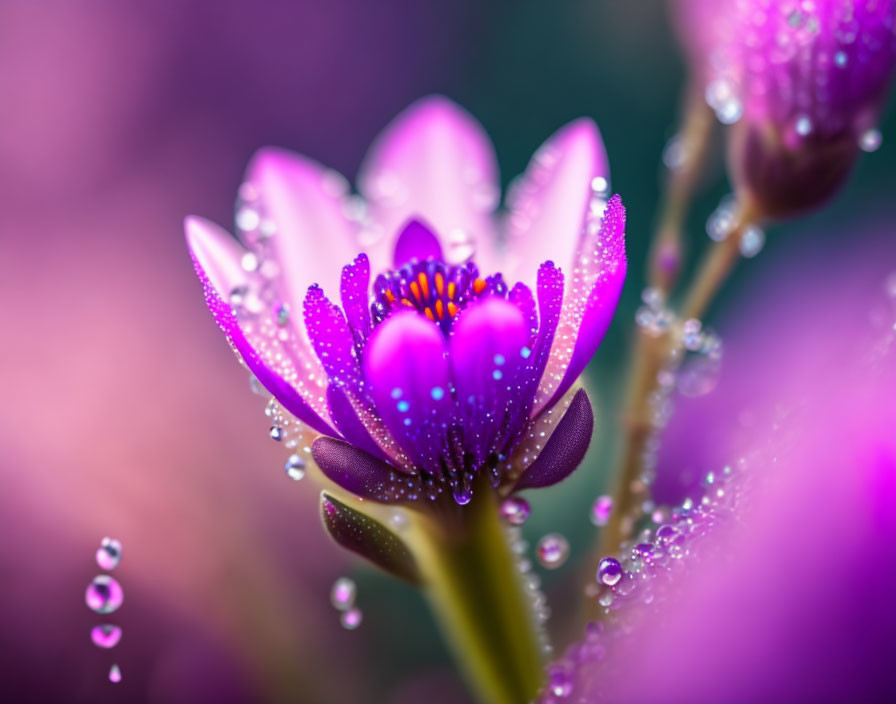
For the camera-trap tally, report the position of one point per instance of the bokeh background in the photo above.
(122, 411)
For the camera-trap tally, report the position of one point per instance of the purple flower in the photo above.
(413, 338)
(803, 80)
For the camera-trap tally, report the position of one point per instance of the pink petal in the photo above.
(590, 300)
(218, 252)
(549, 203)
(313, 238)
(434, 161)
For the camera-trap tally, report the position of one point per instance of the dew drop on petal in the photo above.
(115, 674)
(559, 682)
(108, 555)
(515, 510)
(343, 593)
(552, 550)
(601, 509)
(351, 619)
(104, 594)
(609, 571)
(105, 635)
(276, 433)
(295, 467)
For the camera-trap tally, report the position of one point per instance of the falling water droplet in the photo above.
(295, 467)
(106, 635)
(870, 140)
(552, 550)
(601, 509)
(609, 571)
(108, 555)
(115, 674)
(515, 510)
(343, 593)
(104, 594)
(351, 619)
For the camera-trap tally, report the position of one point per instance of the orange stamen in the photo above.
(479, 285)
(452, 309)
(440, 283)
(424, 284)
(429, 314)
(452, 289)
(415, 289)
(440, 309)
(390, 296)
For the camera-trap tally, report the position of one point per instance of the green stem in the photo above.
(477, 594)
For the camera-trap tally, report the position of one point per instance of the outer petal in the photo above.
(201, 236)
(435, 161)
(565, 449)
(219, 254)
(313, 238)
(355, 294)
(489, 349)
(597, 281)
(406, 366)
(332, 340)
(549, 203)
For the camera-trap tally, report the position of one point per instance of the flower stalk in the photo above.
(653, 352)
(478, 597)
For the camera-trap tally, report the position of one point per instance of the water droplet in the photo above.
(803, 125)
(106, 635)
(295, 467)
(351, 619)
(104, 594)
(108, 555)
(752, 241)
(247, 219)
(437, 393)
(115, 674)
(674, 154)
(552, 550)
(600, 185)
(249, 261)
(841, 58)
(601, 509)
(343, 593)
(668, 535)
(515, 510)
(609, 571)
(870, 140)
(276, 433)
(559, 682)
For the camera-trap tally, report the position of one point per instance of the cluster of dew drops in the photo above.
(104, 596)
(343, 595)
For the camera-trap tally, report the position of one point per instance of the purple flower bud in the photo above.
(802, 83)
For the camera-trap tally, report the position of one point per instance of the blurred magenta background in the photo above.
(123, 412)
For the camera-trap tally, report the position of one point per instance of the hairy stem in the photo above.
(667, 248)
(478, 598)
(652, 353)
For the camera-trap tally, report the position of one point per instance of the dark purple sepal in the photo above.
(349, 424)
(356, 471)
(416, 242)
(368, 538)
(565, 449)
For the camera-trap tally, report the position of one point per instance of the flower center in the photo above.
(433, 289)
